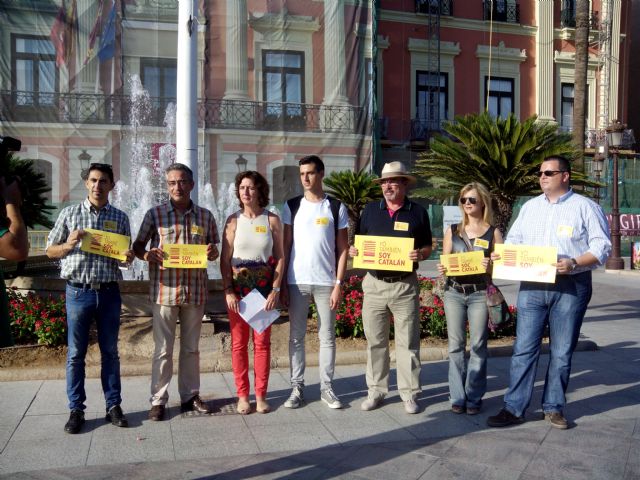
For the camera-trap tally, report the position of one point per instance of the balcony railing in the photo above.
(503, 11)
(432, 7)
(78, 108)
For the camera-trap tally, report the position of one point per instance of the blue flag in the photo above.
(108, 38)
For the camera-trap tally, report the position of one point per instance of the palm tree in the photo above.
(502, 153)
(355, 190)
(580, 79)
(33, 187)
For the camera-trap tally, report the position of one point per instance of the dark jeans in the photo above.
(562, 305)
(83, 306)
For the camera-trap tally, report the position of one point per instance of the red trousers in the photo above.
(240, 333)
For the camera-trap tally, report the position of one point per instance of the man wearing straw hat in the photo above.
(396, 293)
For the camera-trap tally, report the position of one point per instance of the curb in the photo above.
(215, 362)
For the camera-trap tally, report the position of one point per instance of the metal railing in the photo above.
(431, 7)
(87, 108)
(568, 16)
(502, 11)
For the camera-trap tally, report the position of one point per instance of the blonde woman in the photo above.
(465, 300)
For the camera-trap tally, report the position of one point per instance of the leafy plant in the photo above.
(501, 153)
(33, 186)
(355, 190)
(37, 320)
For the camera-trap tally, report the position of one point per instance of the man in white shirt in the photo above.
(315, 246)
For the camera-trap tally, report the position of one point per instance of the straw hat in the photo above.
(395, 170)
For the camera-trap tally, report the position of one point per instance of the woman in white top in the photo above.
(252, 257)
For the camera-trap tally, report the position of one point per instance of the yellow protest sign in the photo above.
(463, 263)
(383, 253)
(184, 256)
(525, 262)
(107, 244)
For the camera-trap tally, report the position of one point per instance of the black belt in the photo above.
(395, 278)
(467, 288)
(92, 286)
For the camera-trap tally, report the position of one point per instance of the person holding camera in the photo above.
(14, 245)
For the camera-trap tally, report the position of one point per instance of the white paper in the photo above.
(251, 308)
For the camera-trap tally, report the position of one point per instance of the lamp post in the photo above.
(241, 163)
(614, 139)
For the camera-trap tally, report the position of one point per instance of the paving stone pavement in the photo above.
(315, 442)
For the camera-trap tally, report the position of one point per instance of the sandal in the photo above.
(243, 407)
(262, 406)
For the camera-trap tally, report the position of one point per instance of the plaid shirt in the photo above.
(163, 225)
(83, 267)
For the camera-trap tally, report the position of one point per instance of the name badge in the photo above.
(196, 230)
(261, 229)
(565, 231)
(322, 221)
(401, 226)
(110, 226)
(480, 242)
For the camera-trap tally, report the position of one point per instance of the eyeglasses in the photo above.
(471, 200)
(182, 183)
(550, 173)
(391, 181)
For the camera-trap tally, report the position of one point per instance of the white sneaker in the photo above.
(372, 402)
(330, 398)
(411, 407)
(296, 399)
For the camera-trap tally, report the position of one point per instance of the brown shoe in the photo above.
(473, 410)
(556, 420)
(457, 409)
(195, 405)
(156, 413)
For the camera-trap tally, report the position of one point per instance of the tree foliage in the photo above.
(33, 187)
(355, 190)
(501, 153)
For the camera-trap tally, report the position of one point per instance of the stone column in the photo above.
(614, 91)
(544, 71)
(237, 86)
(336, 112)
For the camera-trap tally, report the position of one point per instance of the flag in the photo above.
(93, 36)
(57, 35)
(108, 37)
(64, 28)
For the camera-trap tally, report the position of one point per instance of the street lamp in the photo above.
(614, 140)
(84, 158)
(241, 163)
(597, 165)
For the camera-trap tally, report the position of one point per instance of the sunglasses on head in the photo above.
(549, 173)
(471, 200)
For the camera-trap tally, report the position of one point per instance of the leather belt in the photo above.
(91, 286)
(468, 287)
(391, 279)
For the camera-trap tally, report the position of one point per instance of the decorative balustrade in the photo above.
(445, 7)
(503, 11)
(79, 108)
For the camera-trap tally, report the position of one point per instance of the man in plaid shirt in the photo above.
(92, 293)
(176, 293)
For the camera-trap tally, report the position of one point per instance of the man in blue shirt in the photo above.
(578, 228)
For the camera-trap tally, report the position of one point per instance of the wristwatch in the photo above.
(276, 289)
(574, 264)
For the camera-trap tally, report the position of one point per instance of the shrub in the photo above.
(37, 320)
(433, 322)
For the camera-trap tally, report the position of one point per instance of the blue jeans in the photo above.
(83, 306)
(562, 306)
(467, 382)
(299, 299)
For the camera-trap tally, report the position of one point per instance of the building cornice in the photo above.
(421, 45)
(269, 22)
(501, 52)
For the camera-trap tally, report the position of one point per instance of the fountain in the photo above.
(144, 186)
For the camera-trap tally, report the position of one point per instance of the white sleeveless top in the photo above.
(253, 241)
